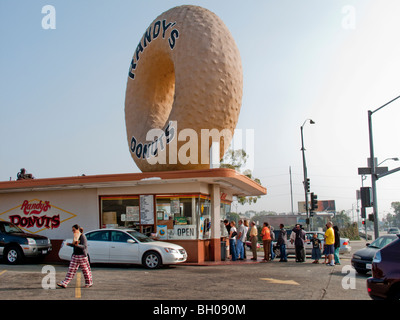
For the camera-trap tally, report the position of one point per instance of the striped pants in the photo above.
(76, 262)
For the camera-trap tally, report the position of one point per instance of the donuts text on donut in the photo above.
(148, 149)
(187, 153)
(152, 33)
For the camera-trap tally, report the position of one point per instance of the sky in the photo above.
(62, 90)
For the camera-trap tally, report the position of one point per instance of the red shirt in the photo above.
(265, 232)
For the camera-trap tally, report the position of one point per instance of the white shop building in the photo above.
(184, 207)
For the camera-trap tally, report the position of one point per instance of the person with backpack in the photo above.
(272, 234)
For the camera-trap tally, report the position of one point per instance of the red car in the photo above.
(385, 280)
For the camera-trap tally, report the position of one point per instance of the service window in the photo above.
(120, 211)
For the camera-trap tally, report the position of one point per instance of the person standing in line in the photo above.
(316, 248)
(232, 240)
(254, 240)
(227, 225)
(282, 242)
(246, 230)
(240, 242)
(228, 228)
(337, 244)
(272, 235)
(330, 243)
(299, 243)
(266, 237)
(79, 259)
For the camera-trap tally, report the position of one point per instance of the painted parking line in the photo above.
(2, 272)
(78, 286)
(277, 281)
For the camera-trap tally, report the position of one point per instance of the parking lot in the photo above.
(257, 281)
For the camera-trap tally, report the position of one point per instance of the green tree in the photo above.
(395, 218)
(236, 159)
(341, 219)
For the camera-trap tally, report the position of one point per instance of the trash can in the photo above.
(223, 250)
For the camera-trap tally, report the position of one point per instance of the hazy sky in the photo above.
(62, 90)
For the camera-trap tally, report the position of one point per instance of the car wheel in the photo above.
(152, 260)
(13, 255)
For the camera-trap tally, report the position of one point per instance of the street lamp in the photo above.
(306, 186)
(394, 159)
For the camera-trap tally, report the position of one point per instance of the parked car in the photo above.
(16, 245)
(362, 259)
(344, 243)
(127, 246)
(385, 280)
(393, 230)
(248, 244)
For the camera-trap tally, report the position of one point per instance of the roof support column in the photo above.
(215, 244)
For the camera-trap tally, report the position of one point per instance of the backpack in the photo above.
(272, 234)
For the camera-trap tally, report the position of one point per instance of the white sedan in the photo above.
(127, 246)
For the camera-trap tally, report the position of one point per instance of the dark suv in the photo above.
(385, 280)
(16, 244)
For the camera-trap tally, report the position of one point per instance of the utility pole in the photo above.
(291, 188)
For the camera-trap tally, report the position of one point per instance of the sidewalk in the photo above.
(228, 261)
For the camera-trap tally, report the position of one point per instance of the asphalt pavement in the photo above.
(230, 281)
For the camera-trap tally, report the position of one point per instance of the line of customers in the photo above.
(238, 236)
(331, 244)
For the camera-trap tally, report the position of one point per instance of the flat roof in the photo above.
(237, 183)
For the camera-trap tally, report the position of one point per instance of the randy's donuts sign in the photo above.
(36, 215)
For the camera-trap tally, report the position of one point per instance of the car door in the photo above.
(99, 245)
(122, 251)
(308, 243)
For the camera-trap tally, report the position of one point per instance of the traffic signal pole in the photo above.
(305, 182)
(374, 175)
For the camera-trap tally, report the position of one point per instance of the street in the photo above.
(239, 281)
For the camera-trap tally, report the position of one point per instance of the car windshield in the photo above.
(11, 228)
(381, 242)
(140, 236)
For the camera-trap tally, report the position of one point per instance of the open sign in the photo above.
(184, 232)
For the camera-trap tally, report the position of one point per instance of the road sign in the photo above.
(367, 170)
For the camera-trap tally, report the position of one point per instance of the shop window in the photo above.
(120, 212)
(177, 217)
(204, 217)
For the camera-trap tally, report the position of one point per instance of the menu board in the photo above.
(147, 209)
(132, 213)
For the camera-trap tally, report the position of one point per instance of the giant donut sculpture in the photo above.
(186, 73)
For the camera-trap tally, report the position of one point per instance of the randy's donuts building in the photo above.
(183, 97)
(183, 207)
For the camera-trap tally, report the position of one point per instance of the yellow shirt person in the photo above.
(330, 242)
(330, 236)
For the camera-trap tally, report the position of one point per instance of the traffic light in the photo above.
(371, 217)
(314, 201)
(363, 214)
(366, 197)
(307, 185)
